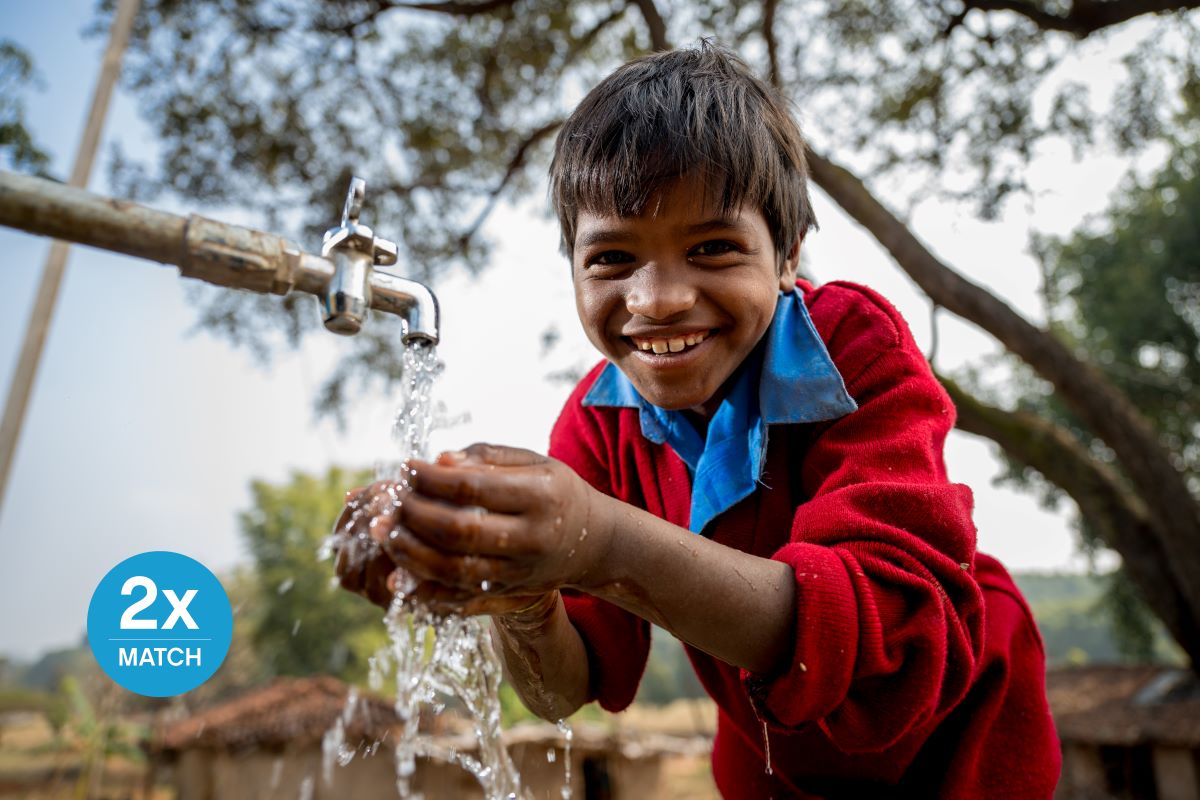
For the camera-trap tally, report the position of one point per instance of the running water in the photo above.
(565, 729)
(430, 657)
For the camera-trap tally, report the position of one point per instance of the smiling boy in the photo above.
(756, 467)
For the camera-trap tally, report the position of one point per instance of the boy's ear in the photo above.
(788, 267)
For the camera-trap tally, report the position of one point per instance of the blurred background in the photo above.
(1020, 178)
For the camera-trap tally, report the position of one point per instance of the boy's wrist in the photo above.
(595, 546)
(531, 619)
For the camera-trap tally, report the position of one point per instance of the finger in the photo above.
(350, 510)
(376, 585)
(350, 577)
(504, 491)
(494, 454)
(428, 563)
(464, 531)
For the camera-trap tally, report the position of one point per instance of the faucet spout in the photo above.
(410, 300)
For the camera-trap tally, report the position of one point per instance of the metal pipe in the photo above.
(211, 251)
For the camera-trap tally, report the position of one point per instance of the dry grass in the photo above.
(33, 766)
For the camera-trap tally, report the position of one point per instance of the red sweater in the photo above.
(917, 669)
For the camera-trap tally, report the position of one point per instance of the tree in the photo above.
(302, 624)
(18, 150)
(1126, 289)
(266, 105)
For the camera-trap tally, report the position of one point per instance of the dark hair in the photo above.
(683, 112)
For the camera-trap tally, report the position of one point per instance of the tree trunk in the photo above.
(1118, 515)
(1172, 515)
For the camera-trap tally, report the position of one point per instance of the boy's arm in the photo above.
(544, 657)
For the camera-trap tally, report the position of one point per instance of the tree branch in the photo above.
(585, 41)
(768, 32)
(456, 9)
(655, 24)
(1085, 16)
(1117, 514)
(515, 163)
(1101, 406)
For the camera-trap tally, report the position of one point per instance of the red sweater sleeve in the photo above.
(889, 617)
(617, 642)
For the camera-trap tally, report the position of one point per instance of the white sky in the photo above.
(141, 436)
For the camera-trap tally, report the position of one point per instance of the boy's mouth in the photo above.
(669, 345)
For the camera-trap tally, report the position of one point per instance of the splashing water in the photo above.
(429, 656)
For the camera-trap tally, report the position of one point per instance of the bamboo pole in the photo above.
(56, 260)
(204, 249)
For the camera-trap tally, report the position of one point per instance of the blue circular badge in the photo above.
(159, 624)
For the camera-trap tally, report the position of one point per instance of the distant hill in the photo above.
(1074, 627)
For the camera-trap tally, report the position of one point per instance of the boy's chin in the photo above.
(669, 400)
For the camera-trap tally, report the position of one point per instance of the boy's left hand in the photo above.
(498, 521)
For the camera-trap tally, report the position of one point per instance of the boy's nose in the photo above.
(660, 292)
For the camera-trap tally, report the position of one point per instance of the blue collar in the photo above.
(788, 380)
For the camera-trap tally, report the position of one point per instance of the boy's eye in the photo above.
(717, 247)
(609, 257)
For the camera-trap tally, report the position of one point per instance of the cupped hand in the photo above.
(498, 521)
(489, 530)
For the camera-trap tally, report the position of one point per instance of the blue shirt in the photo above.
(788, 378)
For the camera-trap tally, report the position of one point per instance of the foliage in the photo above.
(303, 624)
(1127, 289)
(18, 150)
(49, 670)
(669, 675)
(446, 108)
(98, 733)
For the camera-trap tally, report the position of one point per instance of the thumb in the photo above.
(496, 455)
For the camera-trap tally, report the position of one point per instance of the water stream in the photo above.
(431, 659)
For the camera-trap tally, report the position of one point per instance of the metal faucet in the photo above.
(355, 251)
(344, 277)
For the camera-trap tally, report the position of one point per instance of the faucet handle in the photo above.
(356, 236)
(386, 252)
(354, 201)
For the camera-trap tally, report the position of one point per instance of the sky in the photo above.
(143, 434)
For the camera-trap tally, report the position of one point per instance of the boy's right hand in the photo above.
(364, 567)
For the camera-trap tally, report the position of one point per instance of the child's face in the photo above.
(681, 272)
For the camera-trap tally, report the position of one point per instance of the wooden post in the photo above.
(56, 259)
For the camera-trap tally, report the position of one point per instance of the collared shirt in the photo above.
(788, 379)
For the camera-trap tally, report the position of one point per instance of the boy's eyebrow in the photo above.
(617, 236)
(719, 223)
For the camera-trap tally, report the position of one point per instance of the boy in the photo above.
(833, 603)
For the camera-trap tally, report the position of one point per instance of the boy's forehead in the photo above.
(684, 202)
(591, 222)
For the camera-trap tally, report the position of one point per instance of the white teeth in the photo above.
(644, 345)
(659, 346)
(690, 339)
(676, 345)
